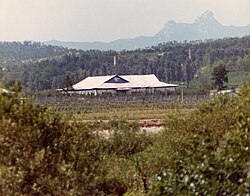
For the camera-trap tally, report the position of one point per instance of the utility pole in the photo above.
(115, 65)
(182, 89)
(115, 61)
(188, 66)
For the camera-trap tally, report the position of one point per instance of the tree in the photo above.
(40, 154)
(219, 76)
(67, 84)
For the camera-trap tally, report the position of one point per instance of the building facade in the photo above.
(121, 84)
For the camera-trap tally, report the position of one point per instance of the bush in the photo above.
(125, 138)
(215, 160)
(40, 154)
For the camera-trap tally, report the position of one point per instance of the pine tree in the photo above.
(219, 77)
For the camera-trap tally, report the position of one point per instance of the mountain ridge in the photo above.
(204, 27)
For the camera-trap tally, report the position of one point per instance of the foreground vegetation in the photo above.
(203, 153)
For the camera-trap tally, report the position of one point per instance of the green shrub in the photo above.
(126, 139)
(40, 154)
(215, 160)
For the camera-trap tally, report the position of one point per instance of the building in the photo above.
(229, 92)
(121, 84)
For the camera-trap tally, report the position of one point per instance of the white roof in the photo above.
(133, 81)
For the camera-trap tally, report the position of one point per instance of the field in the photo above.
(104, 110)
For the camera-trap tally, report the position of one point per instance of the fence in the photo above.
(54, 99)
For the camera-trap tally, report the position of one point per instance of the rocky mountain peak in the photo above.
(207, 14)
(204, 27)
(207, 18)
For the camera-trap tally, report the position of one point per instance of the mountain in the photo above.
(16, 53)
(204, 27)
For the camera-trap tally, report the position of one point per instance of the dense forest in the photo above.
(39, 67)
(14, 53)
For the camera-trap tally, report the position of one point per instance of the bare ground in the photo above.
(142, 122)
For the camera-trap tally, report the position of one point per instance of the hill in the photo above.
(204, 27)
(12, 53)
(169, 62)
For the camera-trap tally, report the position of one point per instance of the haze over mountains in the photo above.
(204, 27)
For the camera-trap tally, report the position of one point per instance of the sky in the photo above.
(107, 20)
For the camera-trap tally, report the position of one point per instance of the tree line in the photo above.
(170, 62)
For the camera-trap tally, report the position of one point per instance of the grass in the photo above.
(127, 114)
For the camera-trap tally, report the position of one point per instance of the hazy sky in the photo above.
(107, 20)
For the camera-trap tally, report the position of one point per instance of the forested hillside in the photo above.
(170, 62)
(12, 53)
